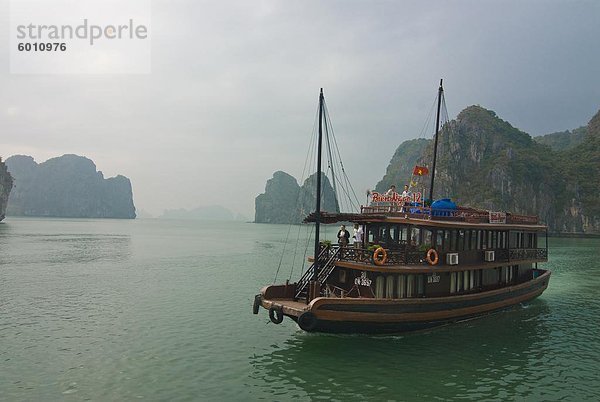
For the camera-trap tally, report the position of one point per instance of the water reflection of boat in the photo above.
(417, 265)
(480, 359)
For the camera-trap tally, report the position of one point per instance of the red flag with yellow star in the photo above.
(420, 170)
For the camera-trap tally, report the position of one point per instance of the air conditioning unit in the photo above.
(489, 255)
(452, 258)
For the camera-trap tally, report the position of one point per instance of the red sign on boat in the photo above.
(396, 198)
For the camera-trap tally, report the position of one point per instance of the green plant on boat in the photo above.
(326, 243)
(425, 247)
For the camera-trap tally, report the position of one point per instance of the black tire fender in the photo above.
(256, 304)
(276, 314)
(307, 321)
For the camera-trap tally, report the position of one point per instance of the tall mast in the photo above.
(437, 130)
(318, 206)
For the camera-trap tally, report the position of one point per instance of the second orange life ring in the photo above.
(380, 256)
(432, 257)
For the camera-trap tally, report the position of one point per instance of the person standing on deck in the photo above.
(343, 236)
(391, 191)
(406, 192)
(358, 235)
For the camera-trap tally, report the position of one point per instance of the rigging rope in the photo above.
(297, 208)
(339, 181)
(337, 159)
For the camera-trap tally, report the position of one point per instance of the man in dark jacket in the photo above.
(343, 236)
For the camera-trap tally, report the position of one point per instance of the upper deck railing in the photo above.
(416, 257)
(460, 214)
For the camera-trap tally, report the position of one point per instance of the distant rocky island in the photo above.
(284, 201)
(485, 162)
(6, 183)
(68, 186)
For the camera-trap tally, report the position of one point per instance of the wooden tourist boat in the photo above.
(416, 267)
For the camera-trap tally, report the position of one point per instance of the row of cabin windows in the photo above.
(402, 286)
(392, 236)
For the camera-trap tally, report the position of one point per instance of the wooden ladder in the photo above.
(327, 264)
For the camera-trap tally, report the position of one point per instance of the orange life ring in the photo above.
(435, 259)
(380, 256)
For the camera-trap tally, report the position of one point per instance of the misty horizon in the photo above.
(233, 88)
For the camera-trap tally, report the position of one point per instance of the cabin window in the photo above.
(521, 240)
(403, 233)
(427, 237)
(371, 235)
(415, 236)
(468, 280)
(439, 240)
(530, 240)
(421, 285)
(379, 286)
(515, 272)
(473, 245)
(385, 236)
(453, 282)
(476, 275)
(461, 240)
(389, 287)
(504, 275)
(447, 241)
(401, 286)
(513, 240)
(410, 286)
(393, 231)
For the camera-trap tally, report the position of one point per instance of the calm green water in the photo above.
(161, 310)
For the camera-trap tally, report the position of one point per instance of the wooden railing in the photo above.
(460, 214)
(527, 254)
(414, 257)
(326, 260)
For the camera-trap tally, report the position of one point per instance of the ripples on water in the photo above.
(160, 310)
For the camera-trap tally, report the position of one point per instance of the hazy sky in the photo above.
(234, 85)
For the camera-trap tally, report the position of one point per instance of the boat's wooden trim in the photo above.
(290, 308)
(412, 219)
(442, 308)
(428, 269)
(410, 310)
(443, 299)
(461, 224)
(429, 316)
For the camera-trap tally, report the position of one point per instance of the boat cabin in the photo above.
(425, 254)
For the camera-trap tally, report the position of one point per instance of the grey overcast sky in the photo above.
(234, 84)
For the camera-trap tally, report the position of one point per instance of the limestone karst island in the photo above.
(487, 163)
(69, 186)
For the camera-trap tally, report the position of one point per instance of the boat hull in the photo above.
(369, 315)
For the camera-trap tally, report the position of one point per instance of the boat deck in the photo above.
(290, 307)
